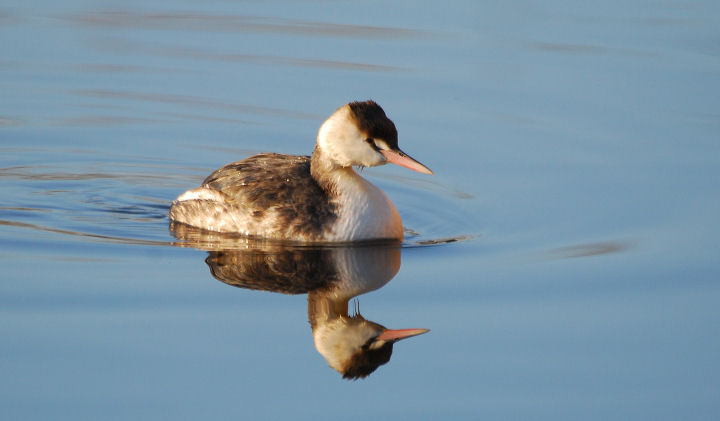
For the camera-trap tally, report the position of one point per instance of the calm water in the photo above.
(576, 155)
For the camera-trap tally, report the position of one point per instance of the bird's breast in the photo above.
(365, 213)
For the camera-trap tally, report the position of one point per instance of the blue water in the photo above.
(576, 158)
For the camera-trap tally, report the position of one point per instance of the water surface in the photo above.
(576, 158)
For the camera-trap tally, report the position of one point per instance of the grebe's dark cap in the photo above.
(371, 120)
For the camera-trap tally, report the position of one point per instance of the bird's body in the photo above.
(301, 198)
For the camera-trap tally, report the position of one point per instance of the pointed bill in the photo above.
(398, 334)
(399, 157)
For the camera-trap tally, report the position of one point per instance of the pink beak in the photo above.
(399, 157)
(396, 335)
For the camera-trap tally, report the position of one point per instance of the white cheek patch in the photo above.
(344, 144)
(381, 144)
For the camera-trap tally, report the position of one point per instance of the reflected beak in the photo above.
(398, 157)
(396, 335)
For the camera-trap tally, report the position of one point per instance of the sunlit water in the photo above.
(564, 256)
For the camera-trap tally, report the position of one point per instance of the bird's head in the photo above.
(355, 347)
(360, 134)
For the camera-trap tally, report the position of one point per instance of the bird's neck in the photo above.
(331, 177)
(364, 211)
(323, 307)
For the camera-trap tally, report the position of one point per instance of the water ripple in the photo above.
(117, 205)
(124, 45)
(589, 249)
(238, 23)
(193, 101)
(103, 238)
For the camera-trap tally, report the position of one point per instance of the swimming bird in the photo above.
(318, 198)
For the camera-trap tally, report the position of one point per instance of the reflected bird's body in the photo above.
(301, 198)
(331, 276)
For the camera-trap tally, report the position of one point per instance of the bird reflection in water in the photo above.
(330, 276)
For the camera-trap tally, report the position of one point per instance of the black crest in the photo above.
(371, 119)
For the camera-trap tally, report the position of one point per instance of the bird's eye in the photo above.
(367, 344)
(372, 143)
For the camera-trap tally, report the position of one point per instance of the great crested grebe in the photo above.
(309, 199)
